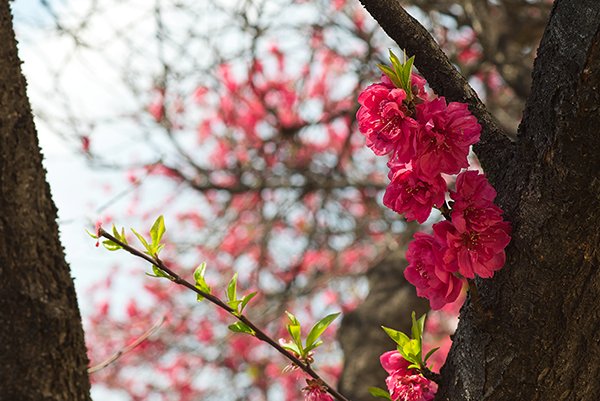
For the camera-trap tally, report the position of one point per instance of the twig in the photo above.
(123, 351)
(261, 335)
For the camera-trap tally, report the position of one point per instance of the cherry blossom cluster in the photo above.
(426, 137)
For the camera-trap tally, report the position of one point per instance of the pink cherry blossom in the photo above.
(473, 207)
(426, 271)
(474, 252)
(445, 135)
(384, 120)
(392, 362)
(409, 194)
(315, 392)
(410, 387)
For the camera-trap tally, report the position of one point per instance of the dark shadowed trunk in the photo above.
(535, 332)
(390, 303)
(42, 351)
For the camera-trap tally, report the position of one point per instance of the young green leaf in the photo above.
(415, 329)
(379, 392)
(232, 288)
(200, 281)
(157, 231)
(143, 241)
(391, 74)
(411, 351)
(290, 346)
(292, 318)
(396, 63)
(240, 327)
(295, 332)
(399, 337)
(111, 246)
(245, 300)
(431, 352)
(158, 273)
(94, 236)
(318, 329)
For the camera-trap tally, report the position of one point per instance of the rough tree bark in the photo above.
(42, 351)
(535, 332)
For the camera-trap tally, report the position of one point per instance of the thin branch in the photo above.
(260, 334)
(130, 347)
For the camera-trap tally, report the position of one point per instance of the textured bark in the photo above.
(390, 303)
(535, 333)
(42, 351)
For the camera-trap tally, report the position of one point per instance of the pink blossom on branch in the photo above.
(315, 392)
(392, 362)
(427, 272)
(414, 387)
(383, 119)
(444, 138)
(473, 252)
(412, 195)
(473, 207)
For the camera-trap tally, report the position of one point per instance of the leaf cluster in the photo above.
(400, 73)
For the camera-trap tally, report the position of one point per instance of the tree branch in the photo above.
(258, 333)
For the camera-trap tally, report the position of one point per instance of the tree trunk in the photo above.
(42, 350)
(534, 334)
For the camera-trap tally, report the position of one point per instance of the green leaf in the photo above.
(295, 332)
(111, 246)
(246, 299)
(292, 318)
(396, 63)
(235, 305)
(379, 392)
(158, 273)
(200, 281)
(232, 288)
(416, 333)
(411, 351)
(94, 236)
(143, 241)
(291, 347)
(399, 337)
(120, 236)
(157, 231)
(391, 74)
(319, 328)
(313, 346)
(406, 74)
(240, 327)
(430, 353)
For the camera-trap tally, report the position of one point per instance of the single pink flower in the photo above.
(410, 387)
(392, 362)
(473, 252)
(409, 194)
(384, 120)
(473, 207)
(445, 135)
(427, 273)
(315, 392)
